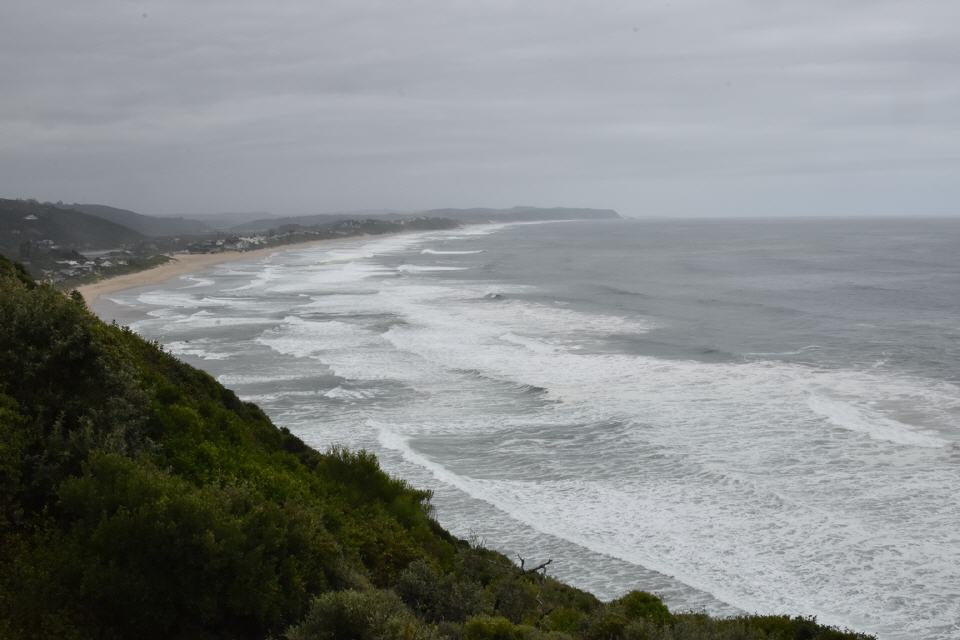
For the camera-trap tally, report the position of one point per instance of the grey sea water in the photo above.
(756, 416)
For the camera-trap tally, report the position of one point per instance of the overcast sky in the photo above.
(680, 107)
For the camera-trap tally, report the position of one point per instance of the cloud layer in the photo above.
(680, 107)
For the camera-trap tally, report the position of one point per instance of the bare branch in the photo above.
(539, 567)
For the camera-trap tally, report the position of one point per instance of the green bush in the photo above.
(436, 596)
(606, 624)
(515, 598)
(495, 628)
(358, 615)
(640, 605)
(565, 619)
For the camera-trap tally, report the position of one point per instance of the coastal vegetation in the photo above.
(139, 498)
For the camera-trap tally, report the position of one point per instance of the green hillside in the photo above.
(152, 226)
(29, 221)
(141, 499)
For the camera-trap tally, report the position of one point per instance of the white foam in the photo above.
(537, 346)
(321, 278)
(121, 300)
(381, 364)
(242, 378)
(793, 352)
(261, 277)
(339, 393)
(392, 440)
(166, 298)
(849, 416)
(434, 252)
(415, 268)
(303, 338)
(197, 281)
(164, 313)
(262, 398)
(198, 349)
(463, 335)
(207, 320)
(478, 230)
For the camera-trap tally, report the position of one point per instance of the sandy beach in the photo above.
(184, 263)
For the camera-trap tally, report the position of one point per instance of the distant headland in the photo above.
(76, 244)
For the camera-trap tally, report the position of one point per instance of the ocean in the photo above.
(738, 415)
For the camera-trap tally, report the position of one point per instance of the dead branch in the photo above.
(539, 567)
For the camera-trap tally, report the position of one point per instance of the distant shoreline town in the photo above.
(74, 244)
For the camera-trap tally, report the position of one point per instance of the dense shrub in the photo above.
(358, 615)
(495, 628)
(437, 596)
(142, 499)
(640, 605)
(566, 620)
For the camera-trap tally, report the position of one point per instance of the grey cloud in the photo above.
(736, 107)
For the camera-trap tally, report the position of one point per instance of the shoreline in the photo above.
(185, 263)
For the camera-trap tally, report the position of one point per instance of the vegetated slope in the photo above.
(227, 220)
(141, 499)
(24, 221)
(152, 226)
(320, 219)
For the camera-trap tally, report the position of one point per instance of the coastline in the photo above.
(184, 263)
